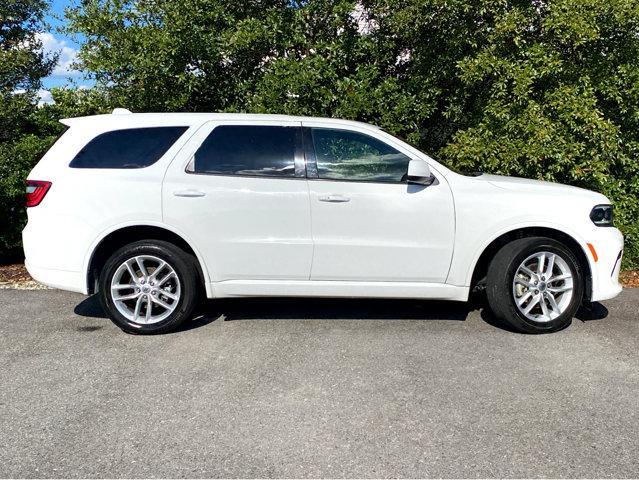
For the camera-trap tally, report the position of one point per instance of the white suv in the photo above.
(152, 210)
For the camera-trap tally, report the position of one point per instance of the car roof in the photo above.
(122, 117)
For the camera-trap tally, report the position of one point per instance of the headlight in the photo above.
(601, 215)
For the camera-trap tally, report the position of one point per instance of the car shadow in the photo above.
(238, 309)
(594, 311)
(90, 307)
(233, 309)
(489, 317)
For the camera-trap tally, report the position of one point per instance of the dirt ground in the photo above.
(630, 278)
(16, 276)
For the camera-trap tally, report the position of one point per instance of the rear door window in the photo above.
(253, 150)
(128, 148)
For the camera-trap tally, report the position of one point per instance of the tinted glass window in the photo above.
(248, 150)
(130, 148)
(345, 155)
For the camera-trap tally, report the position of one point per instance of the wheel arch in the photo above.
(480, 266)
(120, 236)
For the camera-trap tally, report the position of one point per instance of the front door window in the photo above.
(354, 156)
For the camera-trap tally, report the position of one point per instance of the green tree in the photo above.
(556, 86)
(165, 55)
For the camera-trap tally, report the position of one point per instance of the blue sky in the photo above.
(53, 41)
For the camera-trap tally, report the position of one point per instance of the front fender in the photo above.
(462, 270)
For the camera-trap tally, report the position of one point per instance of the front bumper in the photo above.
(608, 245)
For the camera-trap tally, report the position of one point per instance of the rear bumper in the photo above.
(608, 244)
(54, 248)
(71, 281)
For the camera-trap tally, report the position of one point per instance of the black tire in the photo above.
(501, 274)
(185, 270)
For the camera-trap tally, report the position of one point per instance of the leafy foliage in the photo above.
(559, 101)
(22, 65)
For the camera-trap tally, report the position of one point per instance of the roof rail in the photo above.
(120, 111)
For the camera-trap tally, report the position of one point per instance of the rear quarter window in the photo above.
(127, 148)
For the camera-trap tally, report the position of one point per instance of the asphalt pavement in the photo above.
(316, 388)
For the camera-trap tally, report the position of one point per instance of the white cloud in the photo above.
(44, 97)
(68, 55)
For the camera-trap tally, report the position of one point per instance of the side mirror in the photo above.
(419, 173)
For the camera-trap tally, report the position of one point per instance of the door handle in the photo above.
(334, 198)
(189, 193)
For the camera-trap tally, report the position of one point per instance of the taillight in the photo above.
(36, 190)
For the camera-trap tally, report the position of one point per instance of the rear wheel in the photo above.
(149, 286)
(535, 284)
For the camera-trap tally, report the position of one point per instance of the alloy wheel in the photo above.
(543, 286)
(145, 289)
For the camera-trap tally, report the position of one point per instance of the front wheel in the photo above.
(535, 284)
(148, 286)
